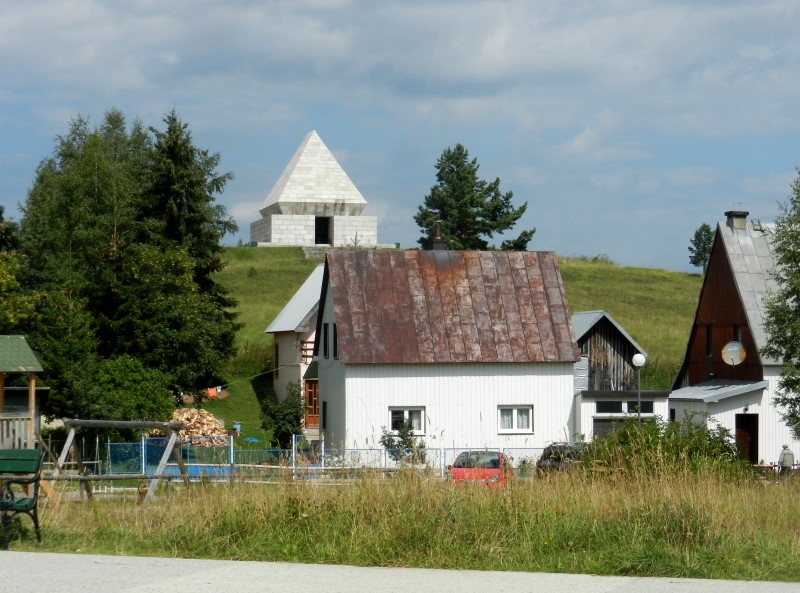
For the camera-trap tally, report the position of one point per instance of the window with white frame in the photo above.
(415, 415)
(516, 419)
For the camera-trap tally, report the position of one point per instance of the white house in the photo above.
(475, 348)
(723, 373)
(293, 332)
(314, 202)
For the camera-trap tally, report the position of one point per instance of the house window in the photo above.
(515, 419)
(615, 407)
(324, 419)
(325, 345)
(647, 407)
(606, 407)
(416, 415)
(709, 342)
(335, 343)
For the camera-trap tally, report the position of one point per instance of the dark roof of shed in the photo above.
(583, 321)
(449, 307)
(16, 356)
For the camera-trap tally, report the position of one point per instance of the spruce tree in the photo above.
(467, 210)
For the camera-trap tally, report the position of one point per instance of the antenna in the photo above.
(733, 353)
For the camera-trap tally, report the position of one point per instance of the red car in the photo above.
(492, 468)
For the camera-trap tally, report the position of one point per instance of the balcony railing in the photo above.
(15, 431)
(306, 352)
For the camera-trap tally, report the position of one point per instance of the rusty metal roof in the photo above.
(396, 307)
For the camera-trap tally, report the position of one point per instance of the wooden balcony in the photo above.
(16, 431)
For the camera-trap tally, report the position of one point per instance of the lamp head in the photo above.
(638, 359)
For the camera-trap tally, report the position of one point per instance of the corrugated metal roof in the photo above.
(716, 389)
(295, 315)
(583, 321)
(16, 356)
(750, 257)
(449, 307)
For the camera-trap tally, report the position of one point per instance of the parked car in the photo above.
(558, 456)
(492, 468)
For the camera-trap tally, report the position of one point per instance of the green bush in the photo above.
(656, 447)
(285, 418)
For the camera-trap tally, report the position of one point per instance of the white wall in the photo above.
(772, 431)
(299, 229)
(587, 411)
(289, 354)
(460, 400)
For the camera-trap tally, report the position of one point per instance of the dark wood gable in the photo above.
(610, 354)
(720, 318)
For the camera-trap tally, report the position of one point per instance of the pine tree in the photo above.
(123, 237)
(467, 210)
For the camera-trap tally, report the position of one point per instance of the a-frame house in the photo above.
(723, 373)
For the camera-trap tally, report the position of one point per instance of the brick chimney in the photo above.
(737, 219)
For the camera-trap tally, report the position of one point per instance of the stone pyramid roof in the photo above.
(314, 183)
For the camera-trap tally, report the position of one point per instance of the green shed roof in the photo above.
(16, 356)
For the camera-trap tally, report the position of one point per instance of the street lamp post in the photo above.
(638, 362)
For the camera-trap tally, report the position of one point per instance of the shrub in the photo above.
(402, 445)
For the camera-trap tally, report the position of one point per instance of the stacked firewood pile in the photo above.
(202, 428)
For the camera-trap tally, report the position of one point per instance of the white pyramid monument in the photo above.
(314, 203)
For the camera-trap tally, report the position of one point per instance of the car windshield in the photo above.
(478, 459)
(560, 452)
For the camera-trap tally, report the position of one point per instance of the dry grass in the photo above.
(685, 525)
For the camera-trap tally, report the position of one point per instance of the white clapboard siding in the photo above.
(460, 401)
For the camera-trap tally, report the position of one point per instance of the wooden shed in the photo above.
(606, 386)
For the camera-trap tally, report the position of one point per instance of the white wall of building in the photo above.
(299, 229)
(292, 368)
(587, 412)
(772, 430)
(460, 402)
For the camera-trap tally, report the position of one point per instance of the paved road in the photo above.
(29, 572)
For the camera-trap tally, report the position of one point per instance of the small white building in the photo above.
(723, 373)
(314, 202)
(475, 348)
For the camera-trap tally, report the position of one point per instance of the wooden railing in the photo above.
(306, 352)
(15, 431)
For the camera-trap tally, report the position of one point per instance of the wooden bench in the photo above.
(20, 472)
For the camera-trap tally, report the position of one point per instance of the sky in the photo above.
(623, 125)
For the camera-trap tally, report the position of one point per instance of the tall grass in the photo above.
(686, 524)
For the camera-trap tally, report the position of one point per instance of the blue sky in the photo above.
(624, 125)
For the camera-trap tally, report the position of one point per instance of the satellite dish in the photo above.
(733, 353)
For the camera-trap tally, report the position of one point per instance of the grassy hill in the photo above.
(656, 307)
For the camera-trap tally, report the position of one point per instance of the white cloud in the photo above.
(570, 104)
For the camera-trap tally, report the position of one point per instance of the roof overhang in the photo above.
(716, 390)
